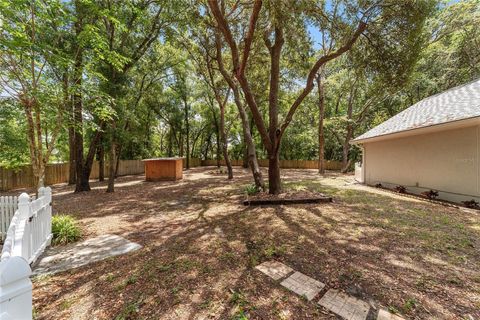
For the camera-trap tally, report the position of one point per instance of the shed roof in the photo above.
(458, 103)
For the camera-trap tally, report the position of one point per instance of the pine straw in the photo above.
(200, 245)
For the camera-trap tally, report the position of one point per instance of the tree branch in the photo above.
(362, 26)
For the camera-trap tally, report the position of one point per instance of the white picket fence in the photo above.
(29, 233)
(8, 206)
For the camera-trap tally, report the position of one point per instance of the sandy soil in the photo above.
(200, 245)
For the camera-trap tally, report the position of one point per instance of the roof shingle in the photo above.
(455, 104)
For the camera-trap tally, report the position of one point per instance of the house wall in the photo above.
(447, 161)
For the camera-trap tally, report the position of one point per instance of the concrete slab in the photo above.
(348, 307)
(386, 315)
(58, 259)
(303, 285)
(274, 269)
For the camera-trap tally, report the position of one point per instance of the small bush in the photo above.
(378, 185)
(400, 189)
(64, 229)
(471, 204)
(251, 189)
(432, 194)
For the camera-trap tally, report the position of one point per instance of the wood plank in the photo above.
(258, 202)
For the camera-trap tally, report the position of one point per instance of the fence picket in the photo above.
(58, 173)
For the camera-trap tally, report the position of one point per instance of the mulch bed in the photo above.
(442, 202)
(300, 197)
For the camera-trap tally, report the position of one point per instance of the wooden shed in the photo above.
(161, 169)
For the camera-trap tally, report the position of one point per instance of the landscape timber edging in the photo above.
(258, 202)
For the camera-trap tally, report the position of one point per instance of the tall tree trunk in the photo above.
(180, 144)
(274, 184)
(187, 133)
(71, 130)
(217, 137)
(207, 147)
(117, 162)
(228, 163)
(88, 164)
(111, 161)
(80, 185)
(101, 162)
(170, 143)
(82, 181)
(250, 144)
(321, 116)
(349, 134)
(245, 157)
(72, 173)
(247, 132)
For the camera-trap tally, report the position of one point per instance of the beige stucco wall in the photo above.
(447, 161)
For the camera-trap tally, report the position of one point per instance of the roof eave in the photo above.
(422, 130)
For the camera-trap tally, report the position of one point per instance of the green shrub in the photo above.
(64, 229)
(251, 189)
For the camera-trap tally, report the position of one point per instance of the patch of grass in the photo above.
(238, 298)
(240, 315)
(393, 310)
(311, 186)
(66, 304)
(350, 275)
(273, 251)
(409, 305)
(228, 257)
(65, 229)
(205, 304)
(164, 267)
(241, 303)
(251, 189)
(132, 279)
(129, 311)
(259, 250)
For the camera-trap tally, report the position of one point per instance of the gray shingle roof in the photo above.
(458, 103)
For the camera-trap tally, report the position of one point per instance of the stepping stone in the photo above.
(346, 306)
(274, 269)
(62, 258)
(303, 285)
(386, 315)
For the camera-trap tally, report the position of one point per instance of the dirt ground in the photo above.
(200, 245)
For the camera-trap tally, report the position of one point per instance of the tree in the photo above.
(28, 56)
(321, 116)
(129, 30)
(275, 22)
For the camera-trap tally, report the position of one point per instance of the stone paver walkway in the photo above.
(303, 285)
(274, 269)
(347, 307)
(57, 259)
(342, 304)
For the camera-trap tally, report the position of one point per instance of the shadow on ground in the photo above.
(200, 245)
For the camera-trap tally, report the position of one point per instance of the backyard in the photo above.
(200, 245)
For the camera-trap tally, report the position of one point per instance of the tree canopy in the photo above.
(105, 80)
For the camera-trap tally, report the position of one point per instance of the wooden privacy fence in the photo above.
(285, 164)
(58, 172)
